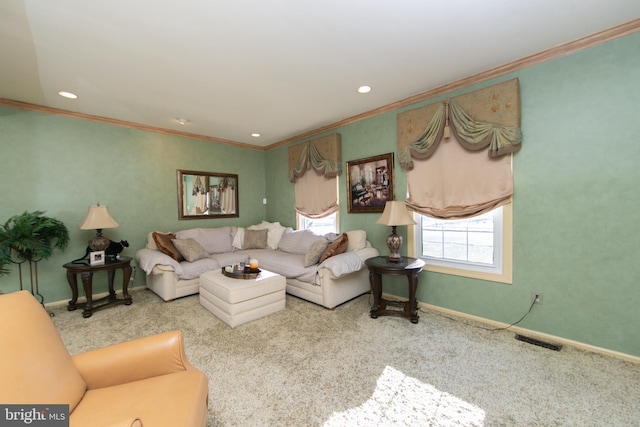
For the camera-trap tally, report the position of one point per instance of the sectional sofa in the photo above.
(326, 270)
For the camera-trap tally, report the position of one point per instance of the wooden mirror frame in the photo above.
(212, 205)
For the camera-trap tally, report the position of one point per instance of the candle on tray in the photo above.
(253, 264)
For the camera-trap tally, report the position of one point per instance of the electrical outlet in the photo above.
(537, 297)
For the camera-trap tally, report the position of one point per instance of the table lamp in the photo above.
(395, 213)
(98, 218)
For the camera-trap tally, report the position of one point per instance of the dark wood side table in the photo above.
(86, 272)
(410, 267)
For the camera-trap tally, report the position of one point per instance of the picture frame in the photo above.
(207, 195)
(96, 258)
(369, 183)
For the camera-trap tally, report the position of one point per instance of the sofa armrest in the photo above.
(147, 259)
(133, 360)
(368, 252)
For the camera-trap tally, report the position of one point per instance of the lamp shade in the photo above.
(98, 218)
(395, 213)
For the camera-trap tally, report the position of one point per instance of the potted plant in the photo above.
(31, 237)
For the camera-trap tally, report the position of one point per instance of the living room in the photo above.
(574, 206)
(582, 263)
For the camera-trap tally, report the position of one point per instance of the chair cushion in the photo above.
(35, 365)
(177, 399)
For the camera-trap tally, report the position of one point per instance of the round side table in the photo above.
(410, 267)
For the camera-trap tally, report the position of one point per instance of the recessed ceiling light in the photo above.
(255, 135)
(68, 94)
(182, 121)
(364, 89)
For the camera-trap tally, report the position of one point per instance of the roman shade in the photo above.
(442, 147)
(313, 168)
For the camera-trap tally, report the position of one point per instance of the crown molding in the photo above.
(526, 62)
(121, 123)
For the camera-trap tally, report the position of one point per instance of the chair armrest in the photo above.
(133, 360)
(129, 422)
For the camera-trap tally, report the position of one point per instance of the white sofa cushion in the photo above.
(298, 242)
(213, 240)
(357, 240)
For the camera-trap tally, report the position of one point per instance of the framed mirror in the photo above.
(207, 195)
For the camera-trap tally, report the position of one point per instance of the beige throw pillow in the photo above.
(255, 239)
(315, 252)
(190, 249)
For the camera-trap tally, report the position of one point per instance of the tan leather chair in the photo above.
(147, 381)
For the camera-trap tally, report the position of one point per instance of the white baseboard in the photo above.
(523, 331)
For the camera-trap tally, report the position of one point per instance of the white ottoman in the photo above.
(238, 301)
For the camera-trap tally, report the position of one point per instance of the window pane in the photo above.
(465, 240)
(320, 226)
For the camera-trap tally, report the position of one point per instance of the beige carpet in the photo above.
(399, 400)
(307, 366)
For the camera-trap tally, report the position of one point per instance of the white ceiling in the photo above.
(280, 67)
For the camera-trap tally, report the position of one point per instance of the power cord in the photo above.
(492, 329)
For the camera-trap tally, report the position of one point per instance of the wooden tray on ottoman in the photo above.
(247, 274)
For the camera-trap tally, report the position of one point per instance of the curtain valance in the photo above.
(323, 154)
(488, 117)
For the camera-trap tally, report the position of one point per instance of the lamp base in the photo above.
(394, 242)
(99, 243)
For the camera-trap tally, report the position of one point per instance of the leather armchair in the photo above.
(147, 381)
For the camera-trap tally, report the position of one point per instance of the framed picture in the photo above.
(96, 258)
(369, 183)
(207, 195)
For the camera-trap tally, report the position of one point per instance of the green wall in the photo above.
(62, 165)
(575, 204)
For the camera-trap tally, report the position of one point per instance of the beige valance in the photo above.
(488, 117)
(323, 154)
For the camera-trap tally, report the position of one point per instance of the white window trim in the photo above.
(506, 276)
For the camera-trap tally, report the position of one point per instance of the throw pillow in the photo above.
(255, 239)
(337, 247)
(163, 241)
(274, 233)
(315, 252)
(151, 243)
(190, 249)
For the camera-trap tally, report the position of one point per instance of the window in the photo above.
(320, 226)
(478, 247)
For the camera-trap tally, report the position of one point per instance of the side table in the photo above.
(86, 272)
(410, 267)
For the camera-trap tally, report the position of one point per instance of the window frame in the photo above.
(505, 275)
